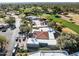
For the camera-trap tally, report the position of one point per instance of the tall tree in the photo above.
(10, 20)
(26, 26)
(2, 41)
(68, 41)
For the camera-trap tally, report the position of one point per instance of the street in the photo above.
(14, 35)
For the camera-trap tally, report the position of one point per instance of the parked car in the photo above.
(21, 33)
(12, 27)
(17, 39)
(2, 52)
(24, 38)
(7, 26)
(4, 30)
(15, 46)
(1, 27)
(14, 52)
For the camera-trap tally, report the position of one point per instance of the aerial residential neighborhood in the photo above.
(39, 29)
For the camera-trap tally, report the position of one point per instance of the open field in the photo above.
(70, 25)
(73, 16)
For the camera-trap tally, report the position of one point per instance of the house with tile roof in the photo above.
(42, 39)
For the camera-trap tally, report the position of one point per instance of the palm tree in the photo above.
(26, 26)
(2, 41)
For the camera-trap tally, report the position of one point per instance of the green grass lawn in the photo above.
(70, 25)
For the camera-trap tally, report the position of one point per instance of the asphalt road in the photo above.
(14, 35)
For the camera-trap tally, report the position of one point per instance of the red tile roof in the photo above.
(40, 35)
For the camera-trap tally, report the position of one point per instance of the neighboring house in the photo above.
(36, 21)
(50, 53)
(33, 17)
(8, 13)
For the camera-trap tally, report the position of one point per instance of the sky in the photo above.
(2, 1)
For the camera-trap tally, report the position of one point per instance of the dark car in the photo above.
(19, 40)
(2, 52)
(16, 39)
(7, 26)
(1, 27)
(24, 38)
(16, 46)
(12, 27)
(21, 33)
(4, 30)
(14, 52)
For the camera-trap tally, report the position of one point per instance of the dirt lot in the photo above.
(75, 17)
(67, 30)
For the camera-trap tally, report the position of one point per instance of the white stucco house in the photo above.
(36, 21)
(42, 38)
